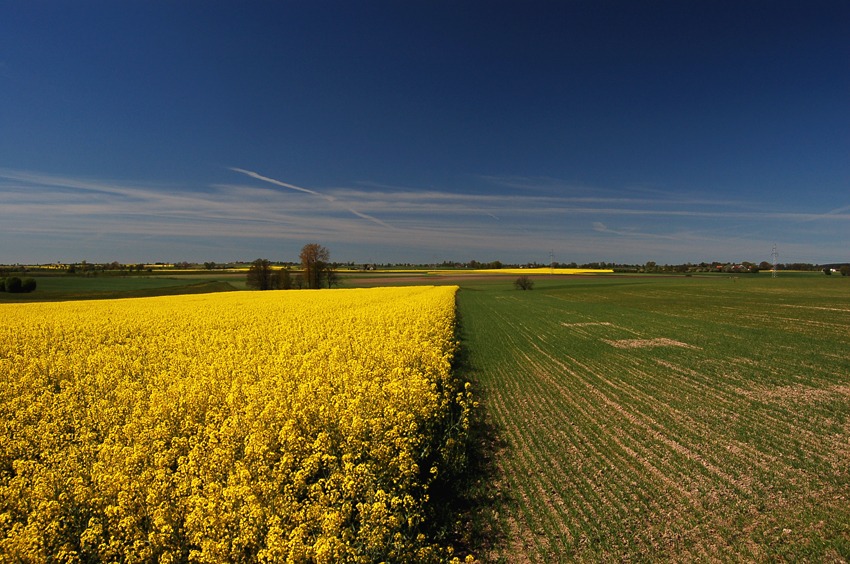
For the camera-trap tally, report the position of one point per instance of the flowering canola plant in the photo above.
(306, 426)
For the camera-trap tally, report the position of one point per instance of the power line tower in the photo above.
(775, 256)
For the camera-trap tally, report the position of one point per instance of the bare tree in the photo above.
(314, 262)
(331, 277)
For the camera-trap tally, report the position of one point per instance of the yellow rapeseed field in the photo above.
(299, 426)
(544, 270)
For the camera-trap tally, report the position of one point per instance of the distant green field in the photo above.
(56, 288)
(680, 418)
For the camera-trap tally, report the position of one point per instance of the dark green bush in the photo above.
(28, 285)
(13, 285)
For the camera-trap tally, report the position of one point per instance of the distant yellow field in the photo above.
(503, 271)
(542, 270)
(303, 426)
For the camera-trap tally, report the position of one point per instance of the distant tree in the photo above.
(845, 270)
(332, 278)
(298, 281)
(259, 275)
(282, 279)
(827, 270)
(2, 284)
(28, 285)
(209, 265)
(314, 263)
(524, 283)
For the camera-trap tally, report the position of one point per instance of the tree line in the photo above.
(316, 272)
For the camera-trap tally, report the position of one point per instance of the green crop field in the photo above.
(64, 288)
(687, 419)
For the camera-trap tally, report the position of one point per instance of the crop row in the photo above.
(719, 432)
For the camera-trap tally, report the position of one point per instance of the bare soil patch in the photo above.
(798, 393)
(646, 343)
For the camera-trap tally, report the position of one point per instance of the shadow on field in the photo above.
(466, 509)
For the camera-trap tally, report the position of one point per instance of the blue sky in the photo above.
(425, 131)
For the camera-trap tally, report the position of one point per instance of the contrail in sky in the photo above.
(331, 199)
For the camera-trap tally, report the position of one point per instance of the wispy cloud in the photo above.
(449, 203)
(330, 199)
(451, 223)
(72, 202)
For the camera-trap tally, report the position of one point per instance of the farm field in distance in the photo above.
(69, 288)
(56, 285)
(641, 418)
